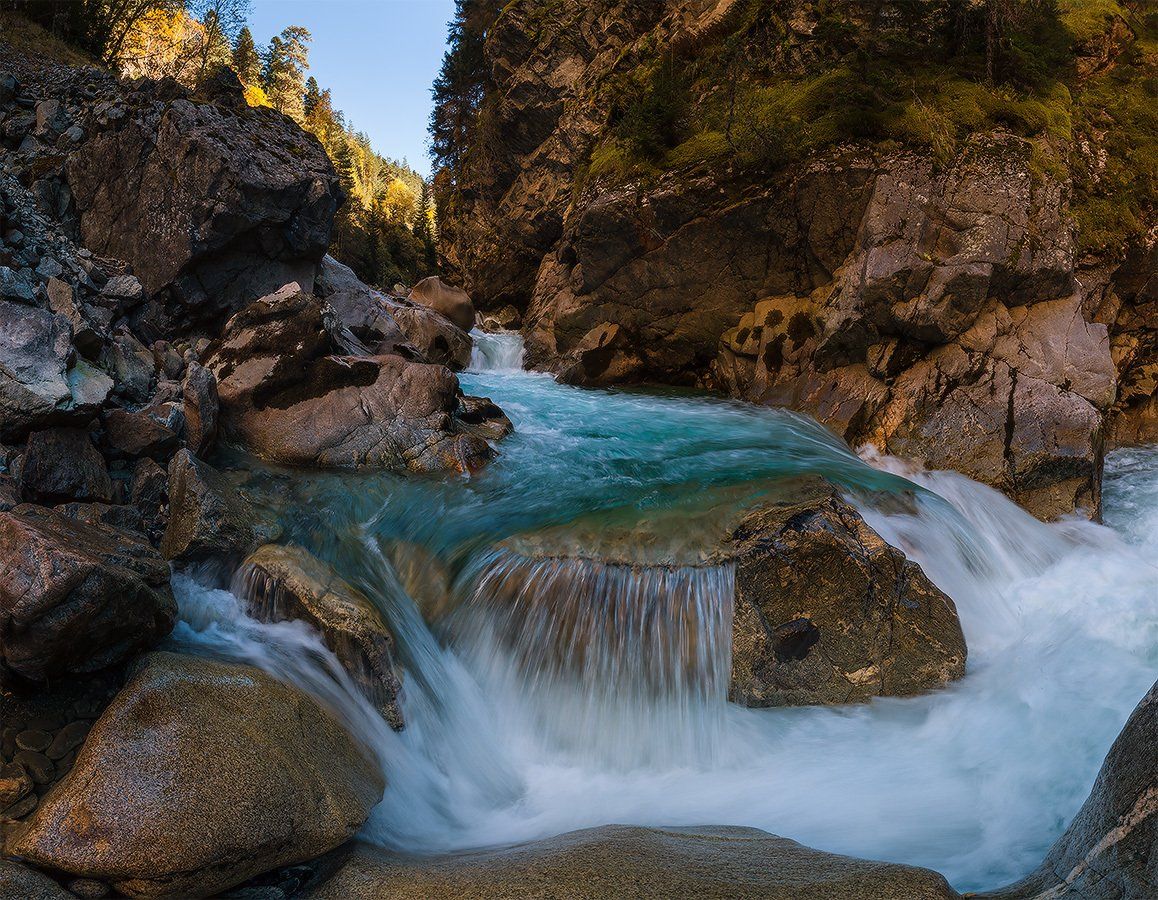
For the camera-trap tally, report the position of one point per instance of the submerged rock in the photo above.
(287, 582)
(827, 612)
(199, 775)
(290, 395)
(76, 596)
(1110, 850)
(629, 861)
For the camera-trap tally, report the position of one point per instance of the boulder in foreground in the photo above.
(76, 596)
(626, 861)
(199, 775)
(827, 612)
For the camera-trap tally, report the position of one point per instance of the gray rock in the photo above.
(13, 285)
(35, 348)
(49, 268)
(61, 465)
(20, 881)
(199, 395)
(123, 287)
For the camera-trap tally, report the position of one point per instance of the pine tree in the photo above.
(424, 226)
(285, 67)
(312, 98)
(246, 62)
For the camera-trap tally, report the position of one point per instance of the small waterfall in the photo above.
(628, 664)
(500, 351)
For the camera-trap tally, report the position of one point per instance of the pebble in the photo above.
(33, 740)
(67, 739)
(39, 766)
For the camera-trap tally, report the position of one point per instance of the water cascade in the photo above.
(556, 690)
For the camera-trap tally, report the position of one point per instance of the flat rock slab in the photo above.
(628, 861)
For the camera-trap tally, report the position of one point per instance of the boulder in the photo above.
(18, 881)
(35, 351)
(288, 582)
(386, 324)
(76, 597)
(198, 776)
(452, 302)
(629, 861)
(827, 612)
(209, 518)
(199, 395)
(62, 464)
(1110, 850)
(288, 394)
(135, 434)
(253, 210)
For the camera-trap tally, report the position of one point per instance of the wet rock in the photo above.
(200, 407)
(1109, 850)
(76, 597)
(827, 612)
(452, 302)
(62, 464)
(179, 778)
(208, 517)
(288, 397)
(628, 861)
(482, 417)
(288, 582)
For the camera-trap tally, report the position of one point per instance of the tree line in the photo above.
(385, 230)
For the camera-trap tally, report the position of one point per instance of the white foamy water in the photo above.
(500, 351)
(975, 781)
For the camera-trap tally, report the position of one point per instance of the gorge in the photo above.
(728, 506)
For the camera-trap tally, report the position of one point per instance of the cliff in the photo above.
(930, 228)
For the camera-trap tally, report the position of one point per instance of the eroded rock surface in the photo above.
(622, 861)
(827, 612)
(199, 775)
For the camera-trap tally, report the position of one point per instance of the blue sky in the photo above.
(377, 57)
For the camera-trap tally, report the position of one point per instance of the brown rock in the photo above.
(288, 582)
(202, 774)
(200, 407)
(138, 434)
(15, 784)
(76, 597)
(62, 464)
(452, 302)
(628, 861)
(827, 612)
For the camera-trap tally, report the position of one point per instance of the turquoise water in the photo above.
(509, 739)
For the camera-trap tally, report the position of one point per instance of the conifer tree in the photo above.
(246, 62)
(285, 68)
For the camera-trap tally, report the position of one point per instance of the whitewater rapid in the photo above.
(975, 781)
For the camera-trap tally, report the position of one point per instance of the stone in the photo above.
(14, 286)
(68, 739)
(178, 777)
(288, 395)
(148, 491)
(208, 517)
(1109, 850)
(62, 464)
(199, 395)
(15, 784)
(20, 881)
(631, 861)
(33, 739)
(452, 302)
(90, 389)
(36, 764)
(132, 366)
(35, 351)
(827, 612)
(76, 597)
(288, 582)
(126, 288)
(117, 515)
(133, 435)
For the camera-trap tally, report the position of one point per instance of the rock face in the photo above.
(76, 597)
(1111, 847)
(623, 861)
(827, 612)
(386, 324)
(199, 775)
(252, 210)
(289, 392)
(288, 582)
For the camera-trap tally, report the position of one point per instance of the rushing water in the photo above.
(567, 691)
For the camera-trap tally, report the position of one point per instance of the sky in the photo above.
(377, 57)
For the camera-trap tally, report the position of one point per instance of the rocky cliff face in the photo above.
(936, 293)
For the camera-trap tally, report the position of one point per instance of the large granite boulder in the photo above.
(1110, 850)
(827, 612)
(386, 324)
(627, 861)
(447, 300)
(288, 582)
(199, 775)
(76, 596)
(289, 393)
(252, 207)
(209, 517)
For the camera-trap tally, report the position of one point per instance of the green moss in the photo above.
(1085, 19)
(699, 148)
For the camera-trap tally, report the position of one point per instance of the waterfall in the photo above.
(625, 664)
(499, 351)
